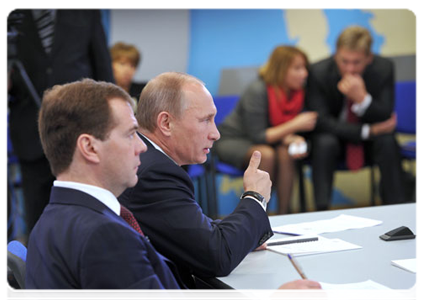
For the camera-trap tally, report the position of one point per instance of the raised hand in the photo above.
(353, 87)
(255, 179)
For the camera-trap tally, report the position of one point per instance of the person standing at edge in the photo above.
(54, 47)
(353, 92)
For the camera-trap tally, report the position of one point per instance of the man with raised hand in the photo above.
(176, 117)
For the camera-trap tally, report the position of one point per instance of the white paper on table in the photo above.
(406, 264)
(322, 245)
(360, 290)
(339, 223)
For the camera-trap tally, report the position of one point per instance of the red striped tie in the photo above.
(130, 219)
(354, 152)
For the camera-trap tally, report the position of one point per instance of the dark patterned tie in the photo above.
(45, 23)
(130, 219)
(354, 152)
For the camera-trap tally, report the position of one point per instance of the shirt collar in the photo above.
(102, 195)
(158, 148)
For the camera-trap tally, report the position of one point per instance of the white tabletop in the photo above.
(268, 270)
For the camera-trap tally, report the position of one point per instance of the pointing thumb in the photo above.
(255, 160)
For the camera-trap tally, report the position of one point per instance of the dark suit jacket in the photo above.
(163, 203)
(136, 89)
(324, 97)
(79, 51)
(80, 243)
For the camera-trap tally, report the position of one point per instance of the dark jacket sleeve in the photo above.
(114, 259)
(100, 56)
(322, 95)
(380, 83)
(164, 204)
(255, 112)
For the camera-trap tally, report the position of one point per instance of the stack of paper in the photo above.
(322, 245)
(340, 223)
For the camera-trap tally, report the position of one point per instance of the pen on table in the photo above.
(297, 266)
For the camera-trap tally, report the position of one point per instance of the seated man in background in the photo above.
(125, 61)
(353, 92)
(85, 239)
(176, 117)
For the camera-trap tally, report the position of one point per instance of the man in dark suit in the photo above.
(54, 47)
(353, 92)
(89, 135)
(176, 116)
(84, 238)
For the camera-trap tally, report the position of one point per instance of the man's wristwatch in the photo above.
(256, 196)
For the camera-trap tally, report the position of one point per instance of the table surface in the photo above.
(269, 270)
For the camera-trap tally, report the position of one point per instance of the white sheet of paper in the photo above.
(339, 223)
(406, 264)
(360, 290)
(323, 245)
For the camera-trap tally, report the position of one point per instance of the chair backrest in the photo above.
(405, 106)
(224, 105)
(16, 261)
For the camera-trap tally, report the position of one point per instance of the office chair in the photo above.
(14, 186)
(16, 261)
(200, 176)
(405, 108)
(205, 174)
(224, 105)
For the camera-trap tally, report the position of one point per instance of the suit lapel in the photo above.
(67, 196)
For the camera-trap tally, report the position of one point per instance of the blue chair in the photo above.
(14, 186)
(198, 174)
(405, 107)
(224, 105)
(16, 261)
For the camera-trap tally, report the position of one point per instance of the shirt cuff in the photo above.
(264, 205)
(365, 131)
(360, 108)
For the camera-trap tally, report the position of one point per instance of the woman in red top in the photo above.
(268, 118)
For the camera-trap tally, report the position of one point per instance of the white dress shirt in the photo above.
(102, 195)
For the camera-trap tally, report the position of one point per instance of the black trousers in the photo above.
(328, 150)
(37, 181)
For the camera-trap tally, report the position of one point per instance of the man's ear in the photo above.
(88, 147)
(164, 123)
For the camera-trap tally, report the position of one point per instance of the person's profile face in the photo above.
(296, 74)
(351, 62)
(123, 72)
(195, 132)
(120, 151)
